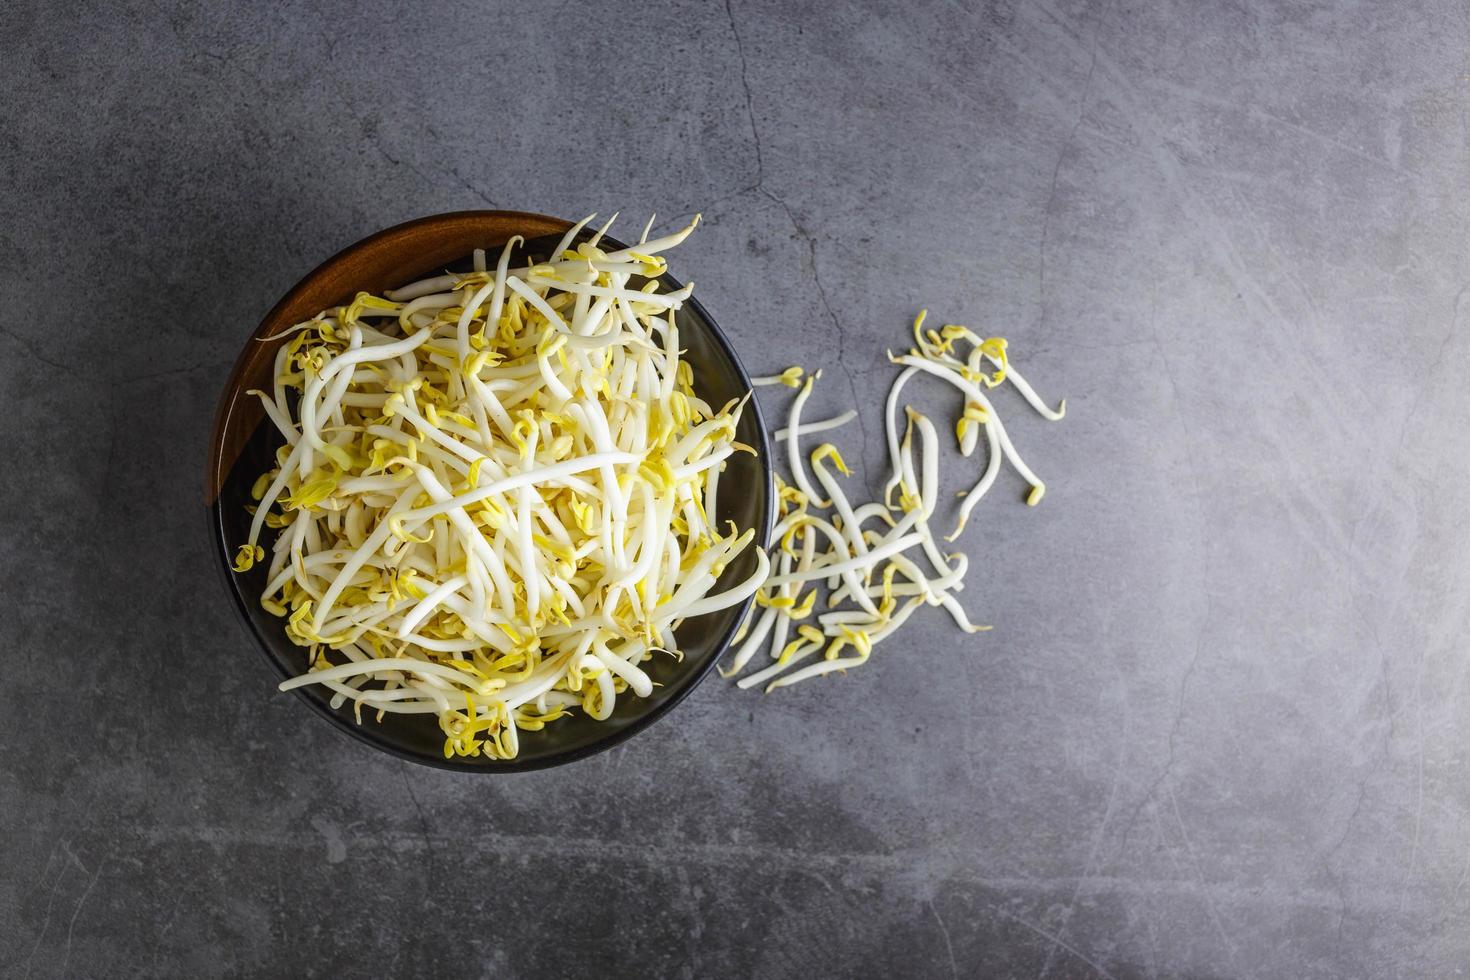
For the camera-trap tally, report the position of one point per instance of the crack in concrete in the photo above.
(369, 129)
(807, 238)
(30, 347)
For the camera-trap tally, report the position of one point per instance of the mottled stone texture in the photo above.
(1218, 729)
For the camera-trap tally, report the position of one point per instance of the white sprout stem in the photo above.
(765, 674)
(953, 607)
(380, 352)
(1029, 393)
(423, 668)
(982, 486)
(639, 681)
(811, 428)
(793, 449)
(278, 417)
(606, 225)
(851, 529)
(815, 670)
(735, 595)
(758, 633)
(528, 478)
(824, 570)
(424, 287)
(657, 245)
(890, 410)
(570, 236)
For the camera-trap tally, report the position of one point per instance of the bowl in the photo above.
(242, 446)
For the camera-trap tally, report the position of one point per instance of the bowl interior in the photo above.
(243, 448)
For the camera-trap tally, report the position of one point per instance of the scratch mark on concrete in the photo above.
(1051, 194)
(954, 970)
(1176, 727)
(958, 862)
(1199, 876)
(71, 926)
(431, 872)
(1054, 939)
(1102, 826)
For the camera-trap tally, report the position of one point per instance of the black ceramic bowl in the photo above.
(244, 443)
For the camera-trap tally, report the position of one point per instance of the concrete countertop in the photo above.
(1219, 728)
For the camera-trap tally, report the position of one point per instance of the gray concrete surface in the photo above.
(1219, 729)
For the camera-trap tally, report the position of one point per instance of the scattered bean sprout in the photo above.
(830, 539)
(496, 498)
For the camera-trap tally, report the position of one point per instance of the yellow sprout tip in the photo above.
(247, 556)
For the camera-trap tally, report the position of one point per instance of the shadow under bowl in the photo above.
(244, 444)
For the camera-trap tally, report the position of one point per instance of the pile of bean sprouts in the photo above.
(871, 558)
(497, 492)
(496, 497)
